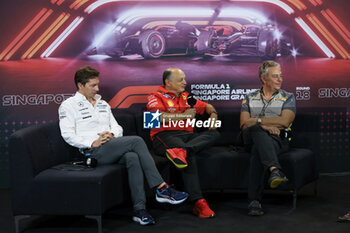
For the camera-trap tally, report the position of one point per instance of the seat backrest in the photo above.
(42, 145)
(127, 121)
(144, 133)
(132, 123)
(306, 132)
(229, 130)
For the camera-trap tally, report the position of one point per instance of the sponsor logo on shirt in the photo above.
(169, 96)
(102, 107)
(170, 103)
(277, 99)
(82, 109)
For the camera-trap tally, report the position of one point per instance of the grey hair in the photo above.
(264, 67)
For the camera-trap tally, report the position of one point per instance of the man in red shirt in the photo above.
(175, 137)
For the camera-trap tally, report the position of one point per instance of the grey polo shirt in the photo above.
(256, 104)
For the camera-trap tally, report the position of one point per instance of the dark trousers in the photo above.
(193, 143)
(132, 152)
(264, 149)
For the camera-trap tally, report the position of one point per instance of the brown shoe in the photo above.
(344, 218)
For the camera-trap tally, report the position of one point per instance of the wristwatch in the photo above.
(259, 121)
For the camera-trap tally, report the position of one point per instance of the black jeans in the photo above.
(193, 143)
(264, 149)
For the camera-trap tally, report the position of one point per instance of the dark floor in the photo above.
(313, 214)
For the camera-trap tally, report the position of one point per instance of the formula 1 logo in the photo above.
(131, 95)
(151, 120)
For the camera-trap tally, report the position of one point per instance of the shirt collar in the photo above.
(80, 96)
(162, 89)
(263, 96)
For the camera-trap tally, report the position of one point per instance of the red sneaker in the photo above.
(177, 156)
(202, 209)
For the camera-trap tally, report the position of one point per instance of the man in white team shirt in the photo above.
(86, 122)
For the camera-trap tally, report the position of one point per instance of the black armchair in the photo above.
(40, 188)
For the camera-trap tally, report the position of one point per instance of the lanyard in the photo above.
(266, 104)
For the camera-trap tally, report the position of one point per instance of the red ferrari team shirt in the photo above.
(168, 102)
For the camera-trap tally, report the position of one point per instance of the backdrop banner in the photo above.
(218, 44)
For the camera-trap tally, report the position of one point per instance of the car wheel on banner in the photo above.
(267, 45)
(204, 42)
(152, 44)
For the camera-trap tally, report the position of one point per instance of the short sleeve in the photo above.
(290, 103)
(245, 104)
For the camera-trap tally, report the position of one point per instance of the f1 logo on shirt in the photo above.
(151, 120)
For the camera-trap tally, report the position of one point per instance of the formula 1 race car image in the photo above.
(182, 38)
(251, 40)
(151, 43)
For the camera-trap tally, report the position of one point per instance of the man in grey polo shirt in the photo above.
(266, 115)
